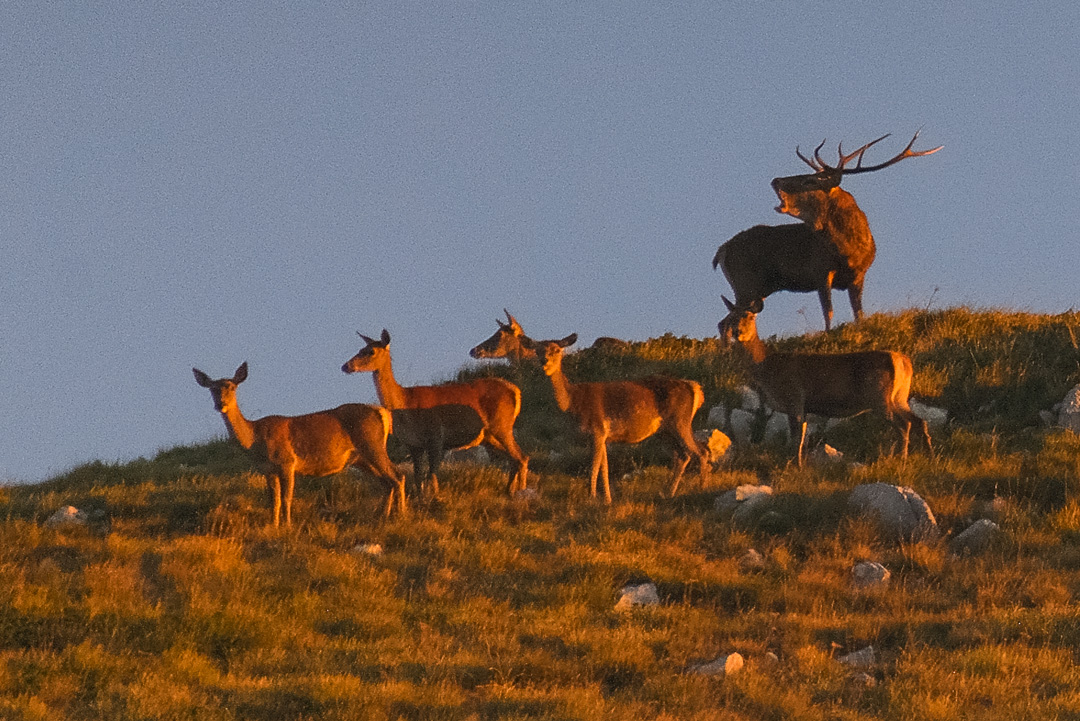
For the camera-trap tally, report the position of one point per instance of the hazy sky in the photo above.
(200, 184)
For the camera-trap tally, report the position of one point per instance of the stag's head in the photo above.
(806, 196)
(223, 390)
(509, 341)
(740, 324)
(372, 357)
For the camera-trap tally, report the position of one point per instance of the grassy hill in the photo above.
(176, 602)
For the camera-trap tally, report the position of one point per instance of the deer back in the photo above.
(834, 384)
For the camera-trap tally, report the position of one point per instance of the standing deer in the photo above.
(430, 432)
(627, 412)
(497, 401)
(835, 385)
(314, 444)
(831, 248)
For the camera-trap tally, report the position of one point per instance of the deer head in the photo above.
(373, 356)
(507, 342)
(806, 197)
(223, 390)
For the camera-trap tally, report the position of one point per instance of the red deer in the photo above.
(627, 412)
(430, 432)
(510, 342)
(831, 248)
(496, 400)
(314, 444)
(835, 385)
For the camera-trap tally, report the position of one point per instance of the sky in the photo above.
(203, 183)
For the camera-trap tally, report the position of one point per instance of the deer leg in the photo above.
(435, 456)
(417, 454)
(798, 430)
(289, 482)
(599, 458)
(604, 472)
(273, 490)
(679, 461)
(825, 296)
(854, 293)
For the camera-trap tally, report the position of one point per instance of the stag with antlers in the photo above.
(831, 248)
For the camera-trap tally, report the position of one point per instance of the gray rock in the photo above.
(718, 417)
(1069, 414)
(863, 658)
(898, 511)
(777, 427)
(720, 666)
(67, 516)
(742, 425)
(640, 594)
(975, 539)
(751, 401)
(935, 417)
(870, 575)
(742, 501)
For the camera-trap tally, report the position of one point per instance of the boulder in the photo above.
(975, 539)
(715, 442)
(749, 398)
(67, 516)
(898, 511)
(742, 425)
(935, 417)
(718, 416)
(863, 658)
(778, 427)
(1069, 413)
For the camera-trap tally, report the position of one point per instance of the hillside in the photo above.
(175, 601)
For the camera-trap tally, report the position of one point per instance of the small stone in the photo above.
(863, 658)
(935, 417)
(870, 574)
(368, 549)
(975, 539)
(750, 400)
(721, 666)
(640, 594)
(68, 515)
(1069, 414)
(751, 561)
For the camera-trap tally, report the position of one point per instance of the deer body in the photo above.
(835, 385)
(496, 401)
(831, 248)
(627, 412)
(430, 432)
(315, 444)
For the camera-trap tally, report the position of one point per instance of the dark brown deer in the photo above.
(627, 412)
(510, 342)
(835, 385)
(497, 401)
(314, 444)
(430, 432)
(831, 248)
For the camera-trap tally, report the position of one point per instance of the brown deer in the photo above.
(314, 444)
(835, 385)
(831, 248)
(497, 401)
(627, 412)
(430, 432)
(510, 342)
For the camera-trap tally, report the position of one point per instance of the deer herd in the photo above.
(830, 248)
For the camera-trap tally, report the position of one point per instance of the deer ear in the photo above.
(201, 378)
(241, 373)
(728, 303)
(369, 341)
(568, 340)
(385, 337)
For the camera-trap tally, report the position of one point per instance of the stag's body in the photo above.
(315, 444)
(834, 385)
(497, 401)
(831, 248)
(627, 412)
(430, 432)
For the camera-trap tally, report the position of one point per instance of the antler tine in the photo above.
(859, 152)
(907, 152)
(817, 163)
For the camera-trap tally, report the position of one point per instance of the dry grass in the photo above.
(178, 603)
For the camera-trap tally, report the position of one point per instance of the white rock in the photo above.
(67, 515)
(368, 549)
(863, 658)
(1069, 415)
(742, 424)
(870, 574)
(641, 594)
(935, 417)
(721, 666)
(718, 416)
(716, 442)
(750, 400)
(898, 511)
(975, 539)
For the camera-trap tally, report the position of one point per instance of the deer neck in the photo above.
(755, 349)
(391, 394)
(561, 386)
(240, 429)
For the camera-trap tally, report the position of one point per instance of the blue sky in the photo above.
(200, 184)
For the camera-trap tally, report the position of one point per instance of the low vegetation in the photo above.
(176, 601)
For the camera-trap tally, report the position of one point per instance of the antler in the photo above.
(821, 166)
